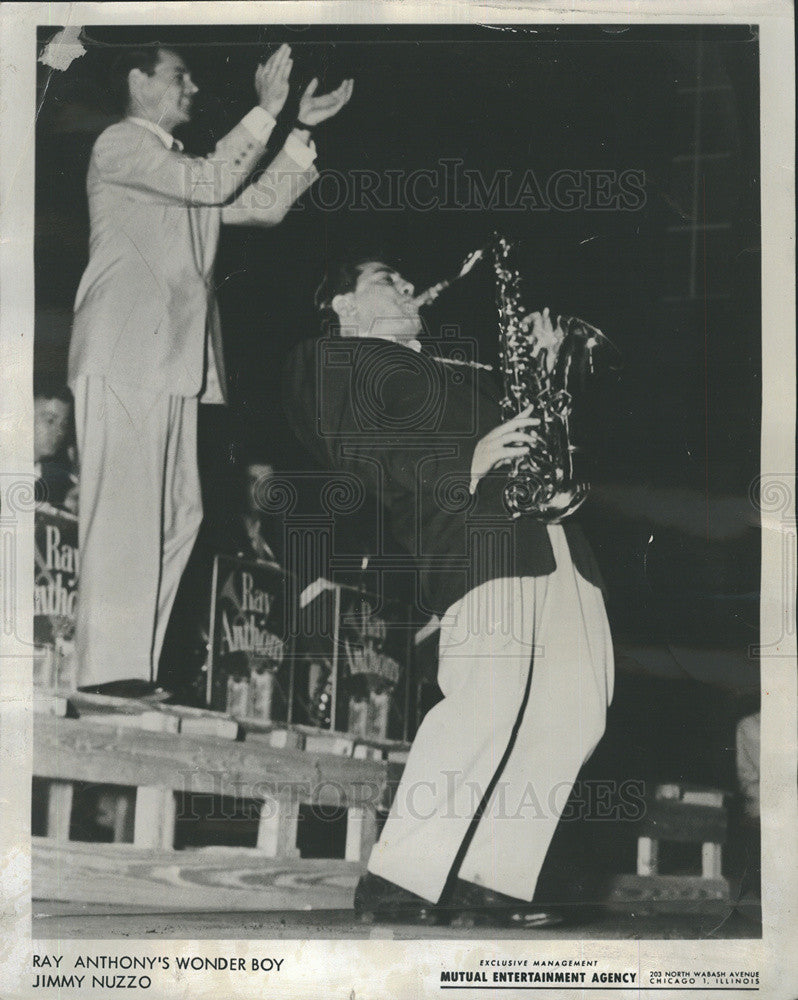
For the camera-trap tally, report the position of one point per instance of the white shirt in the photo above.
(258, 122)
(168, 140)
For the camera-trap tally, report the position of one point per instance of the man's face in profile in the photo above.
(168, 94)
(381, 304)
(50, 427)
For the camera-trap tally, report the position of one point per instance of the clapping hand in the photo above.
(315, 108)
(272, 80)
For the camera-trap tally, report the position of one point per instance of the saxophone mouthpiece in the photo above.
(428, 296)
(470, 261)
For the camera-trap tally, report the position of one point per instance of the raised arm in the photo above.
(134, 158)
(290, 174)
(268, 199)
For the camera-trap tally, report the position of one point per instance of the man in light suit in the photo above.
(146, 343)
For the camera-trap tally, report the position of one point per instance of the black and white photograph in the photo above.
(399, 552)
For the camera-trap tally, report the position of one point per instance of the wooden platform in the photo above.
(92, 922)
(205, 879)
(151, 760)
(73, 749)
(146, 759)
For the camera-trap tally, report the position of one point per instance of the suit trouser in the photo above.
(140, 511)
(526, 669)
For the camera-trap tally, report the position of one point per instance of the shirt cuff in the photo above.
(259, 123)
(302, 154)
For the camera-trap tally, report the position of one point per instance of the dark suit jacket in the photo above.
(406, 425)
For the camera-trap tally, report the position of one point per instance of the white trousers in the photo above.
(526, 668)
(140, 510)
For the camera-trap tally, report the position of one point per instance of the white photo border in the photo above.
(386, 968)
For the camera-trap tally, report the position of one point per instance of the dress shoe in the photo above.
(133, 688)
(470, 905)
(378, 899)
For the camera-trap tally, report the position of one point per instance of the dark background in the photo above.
(674, 283)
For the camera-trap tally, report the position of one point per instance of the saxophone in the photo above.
(542, 483)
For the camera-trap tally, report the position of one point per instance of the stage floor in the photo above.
(93, 922)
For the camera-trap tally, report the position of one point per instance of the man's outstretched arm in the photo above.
(290, 174)
(134, 159)
(266, 201)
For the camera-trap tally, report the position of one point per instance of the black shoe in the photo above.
(133, 688)
(471, 905)
(378, 899)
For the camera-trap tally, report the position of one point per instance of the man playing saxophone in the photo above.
(525, 661)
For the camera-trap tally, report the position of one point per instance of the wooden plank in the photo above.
(368, 834)
(289, 830)
(337, 743)
(124, 818)
(361, 832)
(84, 704)
(277, 829)
(207, 879)
(59, 810)
(252, 727)
(711, 860)
(667, 893)
(154, 722)
(696, 795)
(647, 856)
(712, 797)
(355, 816)
(269, 829)
(47, 702)
(69, 749)
(667, 819)
(280, 739)
(154, 819)
(87, 705)
(222, 727)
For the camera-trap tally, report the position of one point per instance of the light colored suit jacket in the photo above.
(145, 311)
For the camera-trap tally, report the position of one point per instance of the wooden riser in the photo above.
(217, 879)
(667, 894)
(210, 878)
(72, 750)
(144, 771)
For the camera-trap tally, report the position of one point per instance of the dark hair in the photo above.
(144, 58)
(47, 387)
